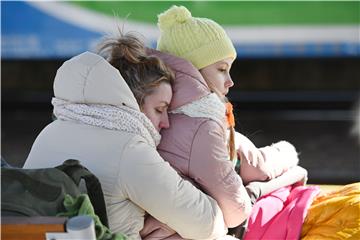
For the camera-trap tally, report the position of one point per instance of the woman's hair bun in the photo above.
(173, 15)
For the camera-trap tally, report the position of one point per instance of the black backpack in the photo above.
(41, 192)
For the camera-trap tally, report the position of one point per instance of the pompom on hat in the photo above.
(198, 40)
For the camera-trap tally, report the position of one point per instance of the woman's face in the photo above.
(156, 105)
(217, 75)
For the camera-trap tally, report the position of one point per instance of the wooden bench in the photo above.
(30, 228)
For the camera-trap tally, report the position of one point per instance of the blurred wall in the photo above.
(296, 76)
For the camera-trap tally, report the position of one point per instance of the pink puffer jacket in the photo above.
(197, 149)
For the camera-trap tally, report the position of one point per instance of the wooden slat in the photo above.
(30, 228)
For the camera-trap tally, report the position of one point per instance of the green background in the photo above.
(239, 13)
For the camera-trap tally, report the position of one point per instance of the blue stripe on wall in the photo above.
(29, 33)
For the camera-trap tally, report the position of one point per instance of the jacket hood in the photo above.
(90, 79)
(189, 84)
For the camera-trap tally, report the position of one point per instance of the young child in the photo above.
(201, 142)
(198, 147)
(206, 45)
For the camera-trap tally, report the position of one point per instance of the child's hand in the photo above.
(247, 151)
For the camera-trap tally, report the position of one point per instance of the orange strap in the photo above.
(229, 115)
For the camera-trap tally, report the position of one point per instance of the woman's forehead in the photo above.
(162, 93)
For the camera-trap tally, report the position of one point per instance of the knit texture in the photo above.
(198, 40)
(209, 106)
(120, 118)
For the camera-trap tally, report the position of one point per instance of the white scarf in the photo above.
(209, 106)
(121, 118)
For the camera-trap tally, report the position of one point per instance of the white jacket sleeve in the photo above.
(155, 186)
(262, 164)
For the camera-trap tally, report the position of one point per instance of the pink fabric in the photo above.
(197, 148)
(280, 214)
(189, 84)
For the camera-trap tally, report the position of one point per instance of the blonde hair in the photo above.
(231, 143)
(142, 73)
(231, 139)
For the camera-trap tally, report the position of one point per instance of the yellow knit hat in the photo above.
(198, 40)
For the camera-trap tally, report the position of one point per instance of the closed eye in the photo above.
(161, 110)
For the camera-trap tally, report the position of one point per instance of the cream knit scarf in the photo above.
(119, 118)
(209, 106)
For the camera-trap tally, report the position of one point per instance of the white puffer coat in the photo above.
(135, 179)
